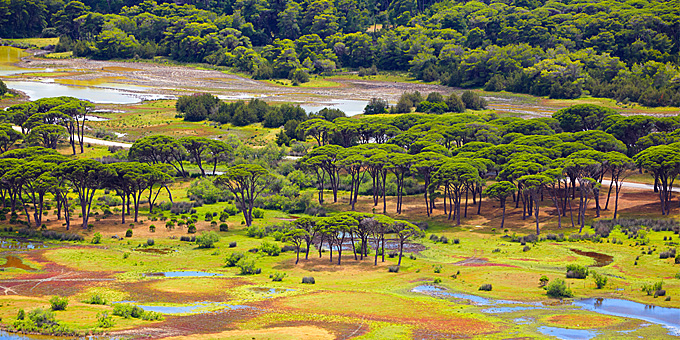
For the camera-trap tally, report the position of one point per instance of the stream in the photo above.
(669, 318)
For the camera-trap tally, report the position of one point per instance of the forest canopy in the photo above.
(627, 51)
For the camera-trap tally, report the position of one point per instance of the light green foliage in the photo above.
(558, 289)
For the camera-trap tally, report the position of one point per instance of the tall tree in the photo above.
(501, 191)
(86, 176)
(664, 162)
(405, 231)
(246, 182)
(533, 185)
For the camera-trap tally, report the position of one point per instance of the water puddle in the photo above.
(195, 308)
(19, 244)
(269, 291)
(95, 119)
(161, 251)
(601, 260)
(15, 262)
(474, 299)
(664, 316)
(567, 334)
(182, 274)
(348, 106)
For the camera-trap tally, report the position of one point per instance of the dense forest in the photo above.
(563, 49)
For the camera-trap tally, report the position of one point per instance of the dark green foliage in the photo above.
(95, 300)
(127, 311)
(224, 227)
(3, 88)
(57, 303)
(486, 287)
(376, 106)
(128, 233)
(104, 320)
(393, 269)
(207, 239)
(247, 267)
(271, 249)
(575, 271)
(308, 280)
(233, 259)
(191, 229)
(558, 289)
(600, 280)
(651, 289)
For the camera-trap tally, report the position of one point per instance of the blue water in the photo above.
(348, 106)
(496, 310)
(182, 274)
(666, 317)
(477, 300)
(567, 334)
(19, 244)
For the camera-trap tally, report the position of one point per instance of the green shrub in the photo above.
(191, 229)
(543, 280)
(233, 259)
(207, 240)
(97, 238)
(127, 310)
(393, 269)
(95, 300)
(128, 233)
(254, 231)
(58, 303)
(437, 268)
(278, 277)
(104, 320)
(21, 315)
(308, 280)
(277, 235)
(258, 213)
(152, 228)
(150, 242)
(247, 267)
(486, 287)
(271, 249)
(558, 289)
(600, 280)
(232, 244)
(575, 271)
(652, 288)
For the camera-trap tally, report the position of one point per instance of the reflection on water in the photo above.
(667, 317)
(182, 274)
(15, 262)
(9, 56)
(567, 334)
(39, 90)
(19, 244)
(348, 106)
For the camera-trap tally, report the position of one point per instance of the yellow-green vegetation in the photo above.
(59, 55)
(36, 42)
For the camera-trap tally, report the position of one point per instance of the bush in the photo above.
(486, 287)
(437, 268)
(58, 303)
(232, 244)
(247, 267)
(393, 269)
(456, 241)
(191, 229)
(127, 311)
(207, 240)
(543, 280)
(526, 248)
(254, 231)
(128, 233)
(95, 300)
(21, 315)
(104, 320)
(278, 277)
(652, 288)
(659, 292)
(575, 271)
(271, 249)
(224, 227)
(150, 242)
(233, 259)
(558, 289)
(97, 238)
(152, 228)
(258, 213)
(600, 280)
(308, 280)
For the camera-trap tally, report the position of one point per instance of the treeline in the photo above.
(621, 50)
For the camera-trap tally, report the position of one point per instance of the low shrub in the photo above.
(271, 249)
(207, 240)
(526, 248)
(232, 244)
(128, 233)
(652, 288)
(393, 269)
(456, 241)
(57, 303)
(543, 280)
(600, 280)
(97, 238)
(392, 254)
(233, 259)
(308, 280)
(575, 271)
(247, 267)
(95, 300)
(150, 242)
(191, 229)
(104, 320)
(224, 227)
(486, 287)
(558, 289)
(128, 311)
(278, 277)
(152, 228)
(437, 268)
(660, 292)
(258, 213)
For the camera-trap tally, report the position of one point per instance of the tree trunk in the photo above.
(401, 249)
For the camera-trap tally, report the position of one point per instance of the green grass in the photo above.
(37, 42)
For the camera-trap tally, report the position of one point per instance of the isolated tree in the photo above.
(664, 162)
(219, 151)
(308, 224)
(246, 182)
(86, 176)
(405, 231)
(501, 191)
(318, 128)
(296, 237)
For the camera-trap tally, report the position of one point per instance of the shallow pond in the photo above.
(664, 316)
(38, 90)
(567, 334)
(182, 274)
(15, 262)
(19, 244)
(348, 106)
(601, 260)
(196, 308)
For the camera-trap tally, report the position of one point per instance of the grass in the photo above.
(59, 55)
(312, 83)
(36, 42)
